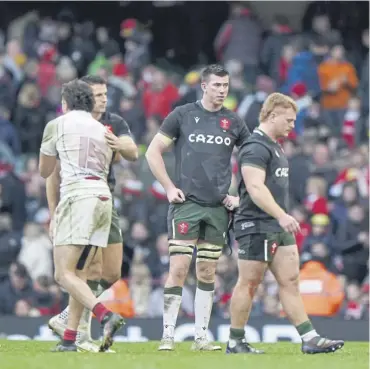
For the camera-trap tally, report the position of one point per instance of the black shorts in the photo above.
(262, 246)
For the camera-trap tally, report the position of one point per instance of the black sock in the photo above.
(237, 334)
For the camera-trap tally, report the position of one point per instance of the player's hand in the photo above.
(231, 202)
(175, 196)
(112, 141)
(289, 224)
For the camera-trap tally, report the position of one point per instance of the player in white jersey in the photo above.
(83, 215)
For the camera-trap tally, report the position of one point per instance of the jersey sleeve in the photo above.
(123, 128)
(171, 125)
(254, 155)
(243, 133)
(49, 139)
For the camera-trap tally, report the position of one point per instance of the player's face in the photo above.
(100, 95)
(284, 121)
(216, 89)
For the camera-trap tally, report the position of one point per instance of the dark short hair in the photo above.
(213, 69)
(78, 95)
(93, 80)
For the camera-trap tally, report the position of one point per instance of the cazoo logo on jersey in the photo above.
(210, 139)
(282, 172)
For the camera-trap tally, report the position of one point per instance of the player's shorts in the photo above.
(191, 221)
(115, 233)
(83, 221)
(262, 246)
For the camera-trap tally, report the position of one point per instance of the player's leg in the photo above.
(80, 220)
(104, 271)
(66, 258)
(58, 323)
(113, 254)
(209, 249)
(183, 231)
(76, 309)
(100, 235)
(253, 258)
(285, 267)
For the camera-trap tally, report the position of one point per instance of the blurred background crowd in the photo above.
(151, 66)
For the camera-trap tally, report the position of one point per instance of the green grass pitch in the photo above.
(284, 355)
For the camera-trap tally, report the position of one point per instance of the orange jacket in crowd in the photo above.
(321, 290)
(342, 73)
(118, 299)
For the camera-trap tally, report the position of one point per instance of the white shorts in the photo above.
(83, 221)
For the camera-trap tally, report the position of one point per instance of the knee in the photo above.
(206, 271)
(59, 277)
(179, 271)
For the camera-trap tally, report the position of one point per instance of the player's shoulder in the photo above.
(255, 143)
(186, 108)
(109, 118)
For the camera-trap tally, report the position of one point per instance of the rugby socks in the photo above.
(95, 288)
(101, 312)
(203, 306)
(172, 302)
(236, 335)
(306, 331)
(69, 337)
(86, 315)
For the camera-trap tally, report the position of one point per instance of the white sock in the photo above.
(171, 311)
(309, 335)
(203, 306)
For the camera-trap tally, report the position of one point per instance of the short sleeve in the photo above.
(243, 133)
(255, 155)
(171, 125)
(123, 128)
(49, 139)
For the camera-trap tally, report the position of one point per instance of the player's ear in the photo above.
(203, 85)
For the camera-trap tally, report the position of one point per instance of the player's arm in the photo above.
(123, 144)
(128, 148)
(169, 131)
(253, 160)
(48, 151)
(53, 189)
(244, 133)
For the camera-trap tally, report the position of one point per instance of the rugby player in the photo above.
(105, 268)
(83, 215)
(265, 231)
(204, 134)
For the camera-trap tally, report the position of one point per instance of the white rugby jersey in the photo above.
(78, 139)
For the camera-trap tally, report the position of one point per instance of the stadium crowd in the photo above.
(328, 155)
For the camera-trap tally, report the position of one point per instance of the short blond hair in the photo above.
(276, 100)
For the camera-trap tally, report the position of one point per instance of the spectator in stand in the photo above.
(159, 97)
(338, 80)
(240, 38)
(16, 293)
(321, 290)
(304, 66)
(272, 48)
(8, 133)
(36, 252)
(10, 245)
